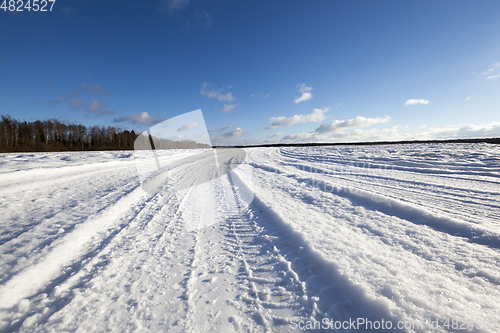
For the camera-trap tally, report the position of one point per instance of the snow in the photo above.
(97, 241)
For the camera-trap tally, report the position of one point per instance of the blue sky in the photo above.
(261, 71)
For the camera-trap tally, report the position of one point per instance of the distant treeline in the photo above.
(52, 135)
(313, 144)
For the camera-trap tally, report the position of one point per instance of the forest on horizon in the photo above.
(53, 135)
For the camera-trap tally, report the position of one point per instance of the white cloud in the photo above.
(416, 101)
(206, 90)
(276, 135)
(355, 135)
(230, 135)
(77, 103)
(261, 95)
(187, 127)
(228, 107)
(236, 133)
(392, 134)
(97, 108)
(298, 137)
(462, 132)
(359, 121)
(220, 129)
(491, 70)
(304, 97)
(315, 116)
(468, 98)
(73, 101)
(305, 91)
(337, 131)
(142, 118)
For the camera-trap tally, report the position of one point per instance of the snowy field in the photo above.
(404, 234)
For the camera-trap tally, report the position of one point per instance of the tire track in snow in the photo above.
(415, 215)
(208, 284)
(459, 194)
(190, 281)
(446, 259)
(454, 172)
(264, 292)
(72, 245)
(34, 221)
(56, 295)
(49, 204)
(283, 280)
(43, 178)
(145, 227)
(474, 233)
(150, 272)
(286, 279)
(453, 204)
(155, 278)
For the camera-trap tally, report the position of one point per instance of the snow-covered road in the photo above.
(406, 234)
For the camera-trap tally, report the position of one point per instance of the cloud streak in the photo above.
(142, 118)
(490, 72)
(97, 108)
(76, 102)
(236, 133)
(305, 91)
(220, 129)
(316, 116)
(416, 102)
(464, 132)
(261, 95)
(277, 135)
(228, 107)
(359, 121)
(230, 135)
(489, 130)
(208, 91)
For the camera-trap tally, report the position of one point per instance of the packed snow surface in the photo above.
(406, 234)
